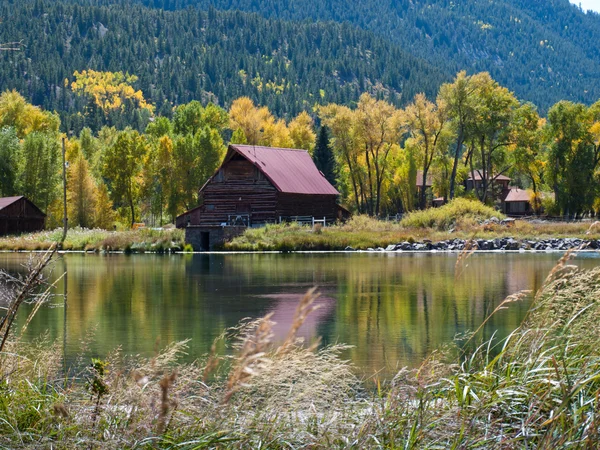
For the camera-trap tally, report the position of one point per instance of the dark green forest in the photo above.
(205, 55)
(543, 50)
(291, 55)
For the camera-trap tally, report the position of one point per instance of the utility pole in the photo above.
(65, 219)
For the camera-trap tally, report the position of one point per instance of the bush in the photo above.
(450, 214)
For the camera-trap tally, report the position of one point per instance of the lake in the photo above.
(393, 309)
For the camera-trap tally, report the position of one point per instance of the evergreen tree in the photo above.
(323, 156)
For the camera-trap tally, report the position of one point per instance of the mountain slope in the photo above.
(209, 55)
(545, 50)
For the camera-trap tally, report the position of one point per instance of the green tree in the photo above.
(122, 167)
(40, 168)
(195, 159)
(9, 156)
(490, 132)
(323, 156)
(571, 158)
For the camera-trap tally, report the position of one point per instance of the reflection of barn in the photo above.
(255, 186)
(19, 215)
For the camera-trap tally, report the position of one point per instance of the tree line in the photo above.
(382, 158)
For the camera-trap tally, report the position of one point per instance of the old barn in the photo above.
(19, 215)
(255, 186)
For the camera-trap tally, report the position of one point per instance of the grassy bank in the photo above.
(142, 240)
(539, 388)
(362, 233)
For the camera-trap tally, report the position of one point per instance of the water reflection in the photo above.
(393, 309)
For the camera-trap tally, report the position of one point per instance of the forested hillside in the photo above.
(205, 55)
(545, 51)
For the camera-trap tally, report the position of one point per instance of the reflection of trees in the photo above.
(394, 309)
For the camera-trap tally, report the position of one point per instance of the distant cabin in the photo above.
(259, 185)
(19, 215)
(516, 202)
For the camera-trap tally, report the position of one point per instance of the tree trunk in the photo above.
(459, 144)
(422, 199)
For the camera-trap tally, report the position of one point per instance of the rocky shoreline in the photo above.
(502, 244)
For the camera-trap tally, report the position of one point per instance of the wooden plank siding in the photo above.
(318, 206)
(21, 216)
(238, 188)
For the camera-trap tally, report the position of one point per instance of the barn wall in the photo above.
(318, 206)
(20, 217)
(239, 188)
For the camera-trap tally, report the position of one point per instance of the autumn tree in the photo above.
(81, 193)
(427, 123)
(302, 133)
(16, 112)
(122, 166)
(365, 139)
(257, 126)
(104, 214)
(109, 90)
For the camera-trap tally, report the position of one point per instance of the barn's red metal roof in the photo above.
(7, 201)
(291, 171)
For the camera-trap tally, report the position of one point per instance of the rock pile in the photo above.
(505, 244)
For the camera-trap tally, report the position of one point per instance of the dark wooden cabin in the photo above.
(259, 185)
(19, 215)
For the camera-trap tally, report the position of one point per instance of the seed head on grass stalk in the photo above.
(252, 356)
(303, 310)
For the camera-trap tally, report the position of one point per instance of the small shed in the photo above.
(516, 202)
(258, 185)
(19, 215)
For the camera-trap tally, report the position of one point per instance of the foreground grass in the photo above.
(538, 388)
(142, 240)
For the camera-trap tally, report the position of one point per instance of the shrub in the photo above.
(450, 214)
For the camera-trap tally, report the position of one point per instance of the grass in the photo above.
(362, 232)
(456, 213)
(538, 388)
(81, 239)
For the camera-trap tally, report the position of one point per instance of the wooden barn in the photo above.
(19, 215)
(255, 186)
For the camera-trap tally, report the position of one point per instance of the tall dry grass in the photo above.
(538, 388)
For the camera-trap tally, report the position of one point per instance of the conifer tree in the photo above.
(323, 156)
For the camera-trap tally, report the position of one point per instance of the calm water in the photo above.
(392, 308)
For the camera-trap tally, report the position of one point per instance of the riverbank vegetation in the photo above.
(95, 240)
(537, 388)
(460, 219)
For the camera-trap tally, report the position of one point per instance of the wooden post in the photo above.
(65, 219)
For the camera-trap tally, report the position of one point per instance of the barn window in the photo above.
(219, 177)
(210, 207)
